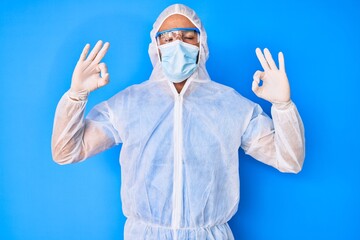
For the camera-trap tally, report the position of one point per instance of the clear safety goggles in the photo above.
(187, 35)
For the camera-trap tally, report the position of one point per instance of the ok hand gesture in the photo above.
(275, 87)
(89, 74)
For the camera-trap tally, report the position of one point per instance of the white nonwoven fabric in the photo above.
(179, 156)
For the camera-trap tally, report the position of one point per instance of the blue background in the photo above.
(40, 44)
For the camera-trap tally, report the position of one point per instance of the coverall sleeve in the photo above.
(76, 138)
(279, 142)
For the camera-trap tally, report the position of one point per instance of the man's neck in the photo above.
(179, 86)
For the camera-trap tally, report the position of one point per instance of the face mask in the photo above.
(178, 60)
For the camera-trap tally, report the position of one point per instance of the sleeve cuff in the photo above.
(78, 96)
(282, 105)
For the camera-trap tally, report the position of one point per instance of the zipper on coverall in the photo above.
(177, 178)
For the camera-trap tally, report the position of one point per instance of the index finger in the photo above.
(102, 52)
(262, 59)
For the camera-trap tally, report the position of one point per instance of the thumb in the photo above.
(104, 75)
(103, 80)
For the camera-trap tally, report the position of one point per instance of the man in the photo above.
(180, 132)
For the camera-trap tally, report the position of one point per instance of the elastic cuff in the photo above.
(282, 105)
(78, 96)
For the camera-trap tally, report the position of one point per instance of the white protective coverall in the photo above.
(179, 158)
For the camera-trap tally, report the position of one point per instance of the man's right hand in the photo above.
(89, 74)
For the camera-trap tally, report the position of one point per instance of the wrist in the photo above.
(282, 105)
(75, 95)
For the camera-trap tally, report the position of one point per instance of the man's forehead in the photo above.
(176, 21)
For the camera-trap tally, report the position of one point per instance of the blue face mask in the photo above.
(178, 60)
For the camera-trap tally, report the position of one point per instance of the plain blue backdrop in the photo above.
(40, 43)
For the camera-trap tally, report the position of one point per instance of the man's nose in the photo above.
(178, 37)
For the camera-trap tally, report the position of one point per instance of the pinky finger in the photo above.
(84, 52)
(281, 62)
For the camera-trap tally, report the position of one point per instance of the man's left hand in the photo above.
(275, 86)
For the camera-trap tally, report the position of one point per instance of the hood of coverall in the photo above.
(201, 73)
